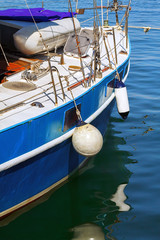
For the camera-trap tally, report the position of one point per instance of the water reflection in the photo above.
(89, 203)
(119, 197)
(88, 231)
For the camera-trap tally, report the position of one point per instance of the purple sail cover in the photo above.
(39, 14)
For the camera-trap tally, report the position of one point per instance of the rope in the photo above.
(113, 58)
(77, 40)
(126, 12)
(46, 47)
(37, 28)
(77, 110)
(145, 28)
(92, 18)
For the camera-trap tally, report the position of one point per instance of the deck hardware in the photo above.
(62, 60)
(37, 104)
(60, 81)
(53, 83)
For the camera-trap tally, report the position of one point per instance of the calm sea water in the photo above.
(86, 207)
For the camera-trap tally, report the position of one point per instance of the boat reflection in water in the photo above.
(88, 205)
(88, 231)
(119, 197)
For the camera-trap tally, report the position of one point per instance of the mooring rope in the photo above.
(146, 29)
(77, 110)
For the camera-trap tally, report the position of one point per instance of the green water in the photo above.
(86, 198)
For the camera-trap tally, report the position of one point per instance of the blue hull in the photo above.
(30, 179)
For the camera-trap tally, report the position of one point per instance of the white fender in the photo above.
(87, 140)
(122, 100)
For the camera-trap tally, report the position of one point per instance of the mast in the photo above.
(97, 60)
(126, 22)
(116, 11)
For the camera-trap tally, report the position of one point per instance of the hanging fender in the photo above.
(87, 139)
(121, 99)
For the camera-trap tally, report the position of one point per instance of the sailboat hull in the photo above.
(37, 155)
(26, 181)
(29, 180)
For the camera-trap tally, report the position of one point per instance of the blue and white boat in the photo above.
(58, 88)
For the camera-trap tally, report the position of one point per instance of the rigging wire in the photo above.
(126, 12)
(113, 59)
(37, 27)
(46, 48)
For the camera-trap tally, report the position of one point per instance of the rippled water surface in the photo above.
(128, 166)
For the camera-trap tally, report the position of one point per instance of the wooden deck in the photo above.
(15, 64)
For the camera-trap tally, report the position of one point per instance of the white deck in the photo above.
(15, 106)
